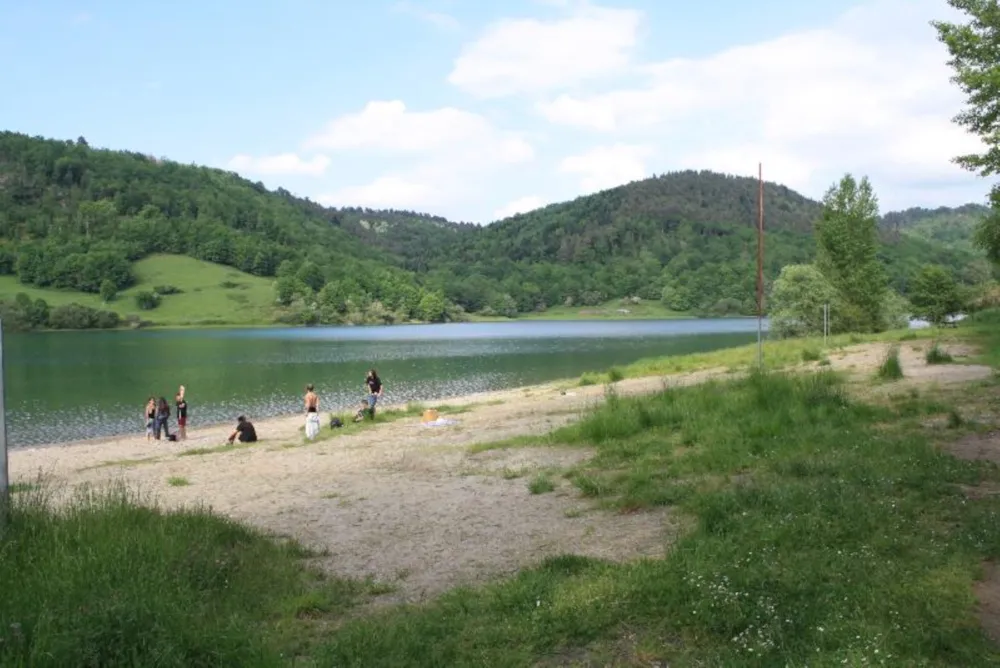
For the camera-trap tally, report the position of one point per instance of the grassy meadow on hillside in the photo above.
(210, 294)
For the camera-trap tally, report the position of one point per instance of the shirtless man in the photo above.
(312, 412)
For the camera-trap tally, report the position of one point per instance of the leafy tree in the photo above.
(797, 300)
(108, 290)
(311, 275)
(433, 307)
(285, 289)
(974, 47)
(847, 252)
(936, 295)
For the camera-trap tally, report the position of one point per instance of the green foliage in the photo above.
(936, 294)
(890, 368)
(108, 582)
(797, 301)
(973, 47)
(147, 301)
(847, 253)
(24, 314)
(541, 484)
(167, 290)
(73, 216)
(108, 290)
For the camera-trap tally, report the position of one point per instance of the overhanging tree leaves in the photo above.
(847, 246)
(975, 57)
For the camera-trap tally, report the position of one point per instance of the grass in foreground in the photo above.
(105, 582)
(891, 368)
(826, 532)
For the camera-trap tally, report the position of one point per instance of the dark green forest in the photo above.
(75, 217)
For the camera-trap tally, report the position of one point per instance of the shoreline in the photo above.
(199, 433)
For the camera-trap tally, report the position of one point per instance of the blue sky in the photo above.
(475, 110)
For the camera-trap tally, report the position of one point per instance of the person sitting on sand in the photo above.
(244, 431)
(150, 417)
(375, 389)
(182, 414)
(312, 412)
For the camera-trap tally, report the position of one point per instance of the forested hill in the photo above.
(75, 217)
(688, 237)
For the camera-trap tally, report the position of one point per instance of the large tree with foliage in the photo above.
(847, 246)
(936, 294)
(975, 57)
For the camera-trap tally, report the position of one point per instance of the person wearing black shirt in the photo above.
(244, 431)
(375, 389)
(182, 414)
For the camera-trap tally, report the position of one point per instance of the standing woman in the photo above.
(182, 414)
(162, 418)
(375, 389)
(150, 417)
(312, 412)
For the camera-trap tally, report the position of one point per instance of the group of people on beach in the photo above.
(157, 414)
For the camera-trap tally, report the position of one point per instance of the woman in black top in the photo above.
(162, 417)
(375, 389)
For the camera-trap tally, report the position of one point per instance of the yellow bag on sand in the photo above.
(430, 415)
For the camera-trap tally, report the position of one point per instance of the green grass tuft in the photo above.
(938, 355)
(541, 484)
(811, 355)
(178, 481)
(890, 368)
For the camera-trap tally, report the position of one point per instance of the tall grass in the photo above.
(105, 581)
(890, 368)
(820, 537)
(938, 355)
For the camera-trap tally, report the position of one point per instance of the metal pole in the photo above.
(760, 266)
(4, 472)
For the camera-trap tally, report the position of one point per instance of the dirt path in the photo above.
(405, 503)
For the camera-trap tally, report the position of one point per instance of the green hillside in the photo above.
(72, 217)
(208, 294)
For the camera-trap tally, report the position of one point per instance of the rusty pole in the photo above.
(760, 266)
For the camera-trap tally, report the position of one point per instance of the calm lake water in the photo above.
(70, 386)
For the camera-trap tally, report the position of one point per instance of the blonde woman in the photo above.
(312, 412)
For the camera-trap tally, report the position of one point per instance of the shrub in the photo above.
(615, 374)
(811, 355)
(147, 301)
(167, 290)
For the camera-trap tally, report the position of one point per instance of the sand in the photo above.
(407, 504)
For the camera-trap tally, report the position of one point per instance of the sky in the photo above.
(480, 110)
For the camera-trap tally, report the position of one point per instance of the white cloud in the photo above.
(528, 55)
(437, 19)
(608, 166)
(284, 163)
(387, 126)
(870, 94)
(519, 205)
(386, 192)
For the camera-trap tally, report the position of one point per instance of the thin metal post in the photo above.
(4, 472)
(760, 265)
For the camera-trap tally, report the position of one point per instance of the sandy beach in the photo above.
(408, 504)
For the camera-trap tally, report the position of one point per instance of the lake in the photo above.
(70, 386)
